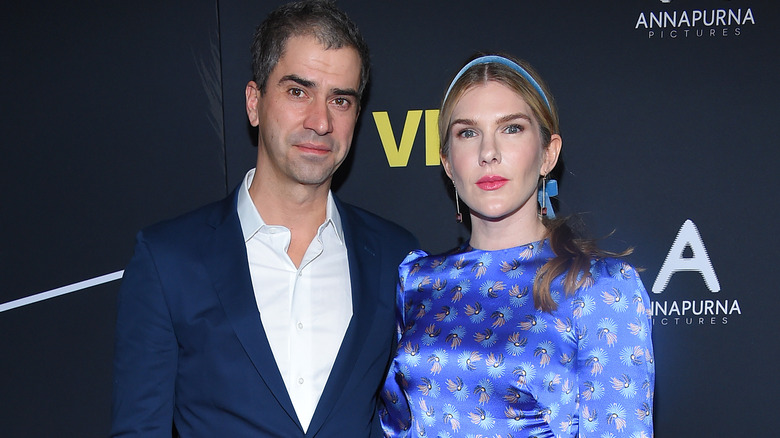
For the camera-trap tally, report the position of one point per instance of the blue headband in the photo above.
(503, 61)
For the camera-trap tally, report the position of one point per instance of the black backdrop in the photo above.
(116, 115)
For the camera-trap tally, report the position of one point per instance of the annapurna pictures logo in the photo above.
(695, 23)
(690, 311)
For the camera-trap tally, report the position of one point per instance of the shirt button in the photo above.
(300, 325)
(300, 380)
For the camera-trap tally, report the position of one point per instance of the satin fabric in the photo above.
(476, 359)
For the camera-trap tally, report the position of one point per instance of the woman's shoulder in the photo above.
(419, 260)
(612, 268)
(415, 256)
(610, 275)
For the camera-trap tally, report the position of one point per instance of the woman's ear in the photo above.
(445, 162)
(551, 154)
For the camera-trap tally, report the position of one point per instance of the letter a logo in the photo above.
(675, 262)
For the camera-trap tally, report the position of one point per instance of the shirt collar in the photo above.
(251, 222)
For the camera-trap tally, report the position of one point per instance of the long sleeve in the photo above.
(145, 359)
(395, 411)
(615, 367)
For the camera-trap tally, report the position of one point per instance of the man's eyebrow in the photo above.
(345, 92)
(311, 84)
(298, 80)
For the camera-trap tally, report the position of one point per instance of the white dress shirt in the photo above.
(306, 310)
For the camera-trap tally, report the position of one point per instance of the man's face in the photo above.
(307, 115)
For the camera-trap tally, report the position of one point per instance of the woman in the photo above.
(525, 330)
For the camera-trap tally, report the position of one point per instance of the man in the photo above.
(270, 313)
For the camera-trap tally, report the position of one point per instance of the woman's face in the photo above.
(495, 155)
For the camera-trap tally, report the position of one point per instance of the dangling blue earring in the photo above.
(548, 190)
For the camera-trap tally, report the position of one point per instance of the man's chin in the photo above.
(314, 178)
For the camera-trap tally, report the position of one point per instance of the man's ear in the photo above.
(252, 98)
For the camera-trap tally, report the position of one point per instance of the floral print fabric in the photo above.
(477, 359)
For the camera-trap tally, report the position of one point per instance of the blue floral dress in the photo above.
(476, 359)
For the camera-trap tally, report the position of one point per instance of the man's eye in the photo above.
(342, 102)
(296, 92)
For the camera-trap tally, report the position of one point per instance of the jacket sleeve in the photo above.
(145, 357)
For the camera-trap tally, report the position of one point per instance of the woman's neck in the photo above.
(505, 233)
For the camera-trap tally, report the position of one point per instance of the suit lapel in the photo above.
(226, 260)
(364, 260)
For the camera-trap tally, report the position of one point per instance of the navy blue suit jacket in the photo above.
(190, 345)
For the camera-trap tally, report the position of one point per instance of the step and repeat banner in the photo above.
(116, 116)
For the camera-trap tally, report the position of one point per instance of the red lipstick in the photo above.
(491, 182)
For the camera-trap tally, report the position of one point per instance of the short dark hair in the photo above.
(318, 18)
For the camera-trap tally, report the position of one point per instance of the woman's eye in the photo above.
(467, 133)
(513, 129)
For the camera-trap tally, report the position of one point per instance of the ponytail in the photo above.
(573, 257)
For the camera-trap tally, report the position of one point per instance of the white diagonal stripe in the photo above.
(61, 291)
